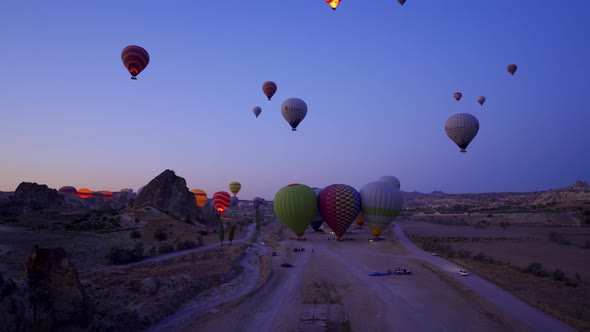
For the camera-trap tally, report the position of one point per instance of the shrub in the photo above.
(187, 244)
(135, 235)
(188, 220)
(558, 275)
(200, 242)
(117, 255)
(203, 233)
(160, 235)
(536, 269)
(166, 248)
(480, 257)
(464, 254)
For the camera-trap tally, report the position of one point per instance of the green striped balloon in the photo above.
(295, 205)
(381, 202)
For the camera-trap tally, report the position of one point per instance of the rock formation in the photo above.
(37, 196)
(168, 193)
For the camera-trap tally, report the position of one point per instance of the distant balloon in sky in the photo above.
(390, 179)
(512, 69)
(135, 59)
(234, 201)
(295, 206)
(200, 197)
(257, 110)
(401, 2)
(457, 96)
(461, 129)
(235, 187)
(333, 3)
(294, 111)
(269, 88)
(481, 100)
(84, 193)
(221, 201)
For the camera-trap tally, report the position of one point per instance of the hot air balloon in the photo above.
(339, 205)
(381, 202)
(317, 221)
(295, 206)
(512, 69)
(221, 201)
(333, 3)
(294, 111)
(257, 110)
(234, 201)
(200, 197)
(107, 194)
(256, 201)
(360, 220)
(84, 193)
(67, 190)
(401, 2)
(235, 187)
(457, 96)
(390, 179)
(269, 88)
(461, 129)
(481, 100)
(135, 59)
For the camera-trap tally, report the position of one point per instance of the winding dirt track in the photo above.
(433, 298)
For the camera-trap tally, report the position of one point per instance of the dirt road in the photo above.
(427, 300)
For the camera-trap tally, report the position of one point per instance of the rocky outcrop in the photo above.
(16, 312)
(59, 301)
(168, 193)
(37, 196)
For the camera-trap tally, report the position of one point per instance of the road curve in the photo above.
(512, 306)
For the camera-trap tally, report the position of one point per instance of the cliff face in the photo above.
(168, 193)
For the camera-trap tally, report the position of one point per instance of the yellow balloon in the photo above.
(235, 187)
(200, 197)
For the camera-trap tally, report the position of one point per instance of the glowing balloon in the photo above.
(235, 187)
(481, 100)
(390, 179)
(200, 197)
(135, 59)
(339, 205)
(333, 3)
(294, 111)
(221, 201)
(512, 69)
(257, 110)
(360, 219)
(381, 202)
(269, 88)
(462, 129)
(457, 96)
(295, 206)
(84, 193)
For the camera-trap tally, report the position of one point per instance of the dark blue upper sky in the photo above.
(378, 79)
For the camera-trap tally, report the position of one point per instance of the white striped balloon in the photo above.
(294, 111)
(381, 202)
(461, 129)
(390, 179)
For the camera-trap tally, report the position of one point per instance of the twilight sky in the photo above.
(378, 79)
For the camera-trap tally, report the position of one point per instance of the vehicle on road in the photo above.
(435, 254)
(400, 270)
(286, 265)
(377, 274)
(463, 272)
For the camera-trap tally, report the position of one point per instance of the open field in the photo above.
(503, 254)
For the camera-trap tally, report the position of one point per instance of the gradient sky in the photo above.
(378, 79)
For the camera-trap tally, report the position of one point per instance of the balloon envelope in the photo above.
(390, 179)
(360, 219)
(512, 69)
(67, 190)
(401, 2)
(317, 221)
(381, 202)
(457, 96)
(481, 100)
(269, 88)
(235, 187)
(256, 201)
(333, 3)
(135, 58)
(257, 110)
(294, 111)
(295, 206)
(234, 201)
(221, 201)
(461, 129)
(339, 205)
(200, 197)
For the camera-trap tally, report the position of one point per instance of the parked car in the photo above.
(435, 254)
(286, 265)
(463, 272)
(400, 270)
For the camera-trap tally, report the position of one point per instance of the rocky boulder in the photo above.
(168, 193)
(37, 196)
(16, 312)
(58, 299)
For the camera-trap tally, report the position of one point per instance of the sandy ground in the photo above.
(433, 298)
